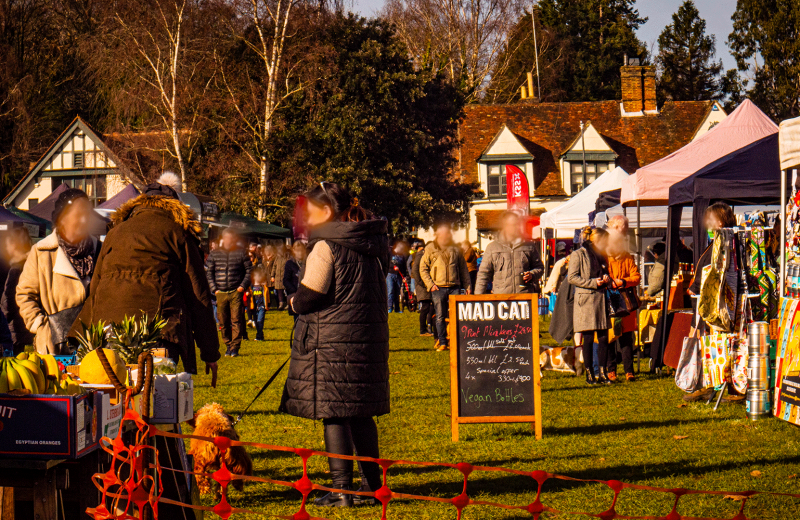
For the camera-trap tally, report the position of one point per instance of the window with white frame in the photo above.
(593, 171)
(496, 178)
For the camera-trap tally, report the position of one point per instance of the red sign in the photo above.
(518, 194)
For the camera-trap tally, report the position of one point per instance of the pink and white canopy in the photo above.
(650, 184)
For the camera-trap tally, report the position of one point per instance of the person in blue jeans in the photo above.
(259, 300)
(444, 272)
(394, 282)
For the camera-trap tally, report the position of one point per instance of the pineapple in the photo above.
(93, 337)
(133, 336)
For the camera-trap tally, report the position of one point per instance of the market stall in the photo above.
(786, 382)
(742, 260)
(58, 412)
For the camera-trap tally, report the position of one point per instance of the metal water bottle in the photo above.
(757, 400)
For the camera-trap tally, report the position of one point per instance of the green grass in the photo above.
(623, 432)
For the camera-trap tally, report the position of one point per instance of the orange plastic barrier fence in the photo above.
(129, 488)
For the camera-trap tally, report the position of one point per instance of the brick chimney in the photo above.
(638, 87)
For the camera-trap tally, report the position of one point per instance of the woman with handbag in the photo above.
(55, 281)
(625, 275)
(588, 272)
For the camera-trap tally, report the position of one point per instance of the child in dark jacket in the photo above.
(259, 300)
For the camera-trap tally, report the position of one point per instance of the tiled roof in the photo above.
(547, 129)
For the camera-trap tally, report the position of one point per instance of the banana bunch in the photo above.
(37, 374)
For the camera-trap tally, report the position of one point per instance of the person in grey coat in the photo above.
(510, 260)
(588, 272)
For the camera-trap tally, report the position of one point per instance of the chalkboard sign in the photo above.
(494, 360)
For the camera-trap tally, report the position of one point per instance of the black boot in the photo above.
(590, 379)
(334, 499)
(603, 378)
(361, 500)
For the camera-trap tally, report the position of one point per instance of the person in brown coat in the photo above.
(269, 264)
(151, 263)
(278, 268)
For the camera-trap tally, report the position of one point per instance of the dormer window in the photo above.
(496, 181)
(505, 148)
(599, 157)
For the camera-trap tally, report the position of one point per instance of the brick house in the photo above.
(546, 141)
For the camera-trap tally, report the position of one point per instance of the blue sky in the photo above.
(717, 14)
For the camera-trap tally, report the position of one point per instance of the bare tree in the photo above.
(164, 74)
(256, 93)
(463, 38)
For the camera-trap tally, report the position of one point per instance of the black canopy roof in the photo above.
(607, 199)
(750, 175)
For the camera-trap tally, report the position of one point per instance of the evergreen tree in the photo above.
(375, 124)
(765, 43)
(600, 33)
(519, 58)
(686, 66)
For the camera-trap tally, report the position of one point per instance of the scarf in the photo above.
(81, 255)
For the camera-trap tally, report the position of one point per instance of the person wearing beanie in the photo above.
(55, 280)
(151, 263)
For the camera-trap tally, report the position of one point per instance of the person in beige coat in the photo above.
(55, 280)
(278, 268)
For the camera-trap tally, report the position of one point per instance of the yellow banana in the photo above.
(35, 357)
(27, 378)
(36, 371)
(14, 382)
(51, 367)
(22, 355)
(3, 379)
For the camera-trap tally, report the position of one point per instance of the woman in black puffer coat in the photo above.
(339, 370)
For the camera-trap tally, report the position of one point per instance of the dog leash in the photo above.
(266, 385)
(269, 381)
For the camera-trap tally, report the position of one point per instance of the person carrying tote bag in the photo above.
(588, 273)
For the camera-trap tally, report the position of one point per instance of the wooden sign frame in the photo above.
(452, 329)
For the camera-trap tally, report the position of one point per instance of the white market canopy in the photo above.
(650, 184)
(574, 213)
(652, 216)
(789, 143)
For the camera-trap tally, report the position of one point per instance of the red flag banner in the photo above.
(518, 195)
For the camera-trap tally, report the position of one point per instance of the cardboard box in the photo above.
(111, 417)
(173, 398)
(49, 426)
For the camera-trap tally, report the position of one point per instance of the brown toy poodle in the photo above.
(212, 421)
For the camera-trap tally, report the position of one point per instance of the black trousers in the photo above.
(426, 323)
(626, 352)
(587, 342)
(353, 436)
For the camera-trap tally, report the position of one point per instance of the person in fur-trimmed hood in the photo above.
(151, 263)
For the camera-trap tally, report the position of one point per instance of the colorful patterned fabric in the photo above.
(716, 358)
(763, 276)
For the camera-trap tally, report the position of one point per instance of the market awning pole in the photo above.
(782, 233)
(639, 236)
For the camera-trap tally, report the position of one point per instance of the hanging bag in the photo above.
(716, 297)
(622, 301)
(689, 373)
